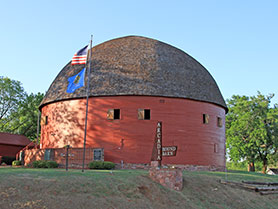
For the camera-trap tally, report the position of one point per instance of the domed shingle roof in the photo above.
(135, 65)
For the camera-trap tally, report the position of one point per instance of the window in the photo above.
(144, 114)
(116, 114)
(219, 122)
(205, 118)
(98, 154)
(47, 154)
(216, 148)
(113, 114)
(44, 120)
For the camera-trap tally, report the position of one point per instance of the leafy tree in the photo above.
(11, 94)
(252, 129)
(24, 120)
(19, 111)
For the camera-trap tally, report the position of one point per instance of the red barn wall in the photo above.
(130, 139)
(9, 150)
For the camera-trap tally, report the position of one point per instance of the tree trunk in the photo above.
(251, 167)
(264, 165)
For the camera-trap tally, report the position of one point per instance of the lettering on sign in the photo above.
(169, 151)
(157, 148)
(158, 142)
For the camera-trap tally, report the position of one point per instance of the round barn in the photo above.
(136, 82)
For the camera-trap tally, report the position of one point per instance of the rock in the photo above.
(171, 178)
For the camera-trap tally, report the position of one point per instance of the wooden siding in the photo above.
(9, 150)
(130, 139)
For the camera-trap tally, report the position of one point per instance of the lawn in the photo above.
(56, 188)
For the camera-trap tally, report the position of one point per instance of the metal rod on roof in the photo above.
(87, 99)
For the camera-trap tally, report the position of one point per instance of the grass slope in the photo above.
(56, 188)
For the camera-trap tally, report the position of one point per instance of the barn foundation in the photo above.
(75, 156)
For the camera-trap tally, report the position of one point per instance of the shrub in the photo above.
(51, 164)
(96, 165)
(44, 164)
(108, 165)
(39, 164)
(101, 165)
(35, 164)
(16, 163)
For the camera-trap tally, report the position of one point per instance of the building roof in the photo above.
(135, 65)
(13, 139)
(273, 170)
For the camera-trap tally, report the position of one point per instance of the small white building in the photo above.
(272, 171)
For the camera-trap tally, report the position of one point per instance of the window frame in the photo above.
(99, 150)
(142, 114)
(205, 118)
(111, 114)
(46, 120)
(219, 122)
(216, 148)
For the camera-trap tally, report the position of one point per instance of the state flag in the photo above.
(76, 81)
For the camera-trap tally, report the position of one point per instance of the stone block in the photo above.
(154, 163)
(171, 178)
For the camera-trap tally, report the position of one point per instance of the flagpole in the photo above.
(87, 99)
(38, 129)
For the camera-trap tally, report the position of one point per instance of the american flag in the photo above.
(80, 57)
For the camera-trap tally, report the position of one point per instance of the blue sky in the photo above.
(237, 41)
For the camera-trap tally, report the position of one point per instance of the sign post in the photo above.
(67, 156)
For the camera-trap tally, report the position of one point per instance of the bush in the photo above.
(39, 164)
(51, 164)
(16, 163)
(8, 160)
(108, 165)
(101, 165)
(96, 165)
(44, 164)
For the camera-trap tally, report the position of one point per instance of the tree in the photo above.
(19, 111)
(24, 120)
(11, 94)
(252, 129)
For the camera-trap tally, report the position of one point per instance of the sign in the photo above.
(159, 141)
(169, 151)
(157, 148)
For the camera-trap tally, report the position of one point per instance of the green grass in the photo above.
(56, 188)
(49, 173)
(236, 176)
